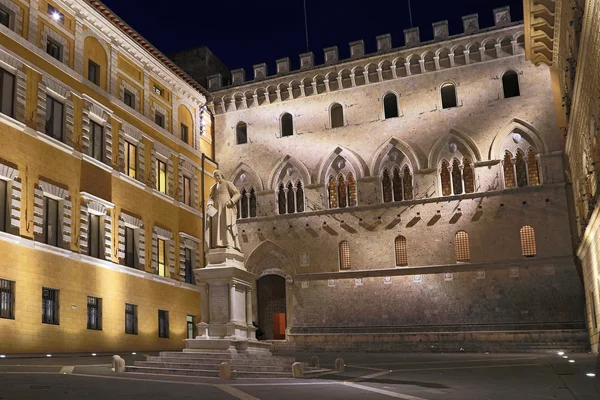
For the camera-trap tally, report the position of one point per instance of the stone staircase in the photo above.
(243, 365)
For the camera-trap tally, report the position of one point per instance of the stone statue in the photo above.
(221, 211)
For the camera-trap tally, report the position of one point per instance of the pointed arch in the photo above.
(526, 130)
(463, 141)
(387, 146)
(279, 171)
(258, 261)
(356, 161)
(251, 176)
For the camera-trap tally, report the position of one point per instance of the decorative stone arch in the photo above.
(442, 148)
(185, 114)
(526, 130)
(264, 251)
(281, 168)
(237, 177)
(297, 88)
(105, 70)
(358, 164)
(239, 101)
(387, 148)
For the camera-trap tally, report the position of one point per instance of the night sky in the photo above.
(243, 33)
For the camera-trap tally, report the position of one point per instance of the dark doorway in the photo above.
(271, 307)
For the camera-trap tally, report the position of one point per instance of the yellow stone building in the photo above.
(105, 146)
(565, 35)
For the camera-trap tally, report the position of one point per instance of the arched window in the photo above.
(337, 115)
(342, 191)
(468, 176)
(463, 253)
(456, 177)
(291, 198)
(299, 197)
(401, 256)
(448, 93)
(241, 133)
(510, 84)
(521, 168)
(408, 186)
(509, 171)
(344, 255)
(287, 125)
(281, 202)
(351, 191)
(445, 178)
(532, 168)
(252, 203)
(244, 203)
(332, 189)
(397, 183)
(528, 248)
(386, 184)
(390, 106)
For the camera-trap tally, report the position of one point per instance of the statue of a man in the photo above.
(221, 211)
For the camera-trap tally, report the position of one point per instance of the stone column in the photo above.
(422, 65)
(380, 74)
(232, 302)
(451, 56)
(467, 57)
(394, 71)
(436, 60)
(326, 81)
(353, 79)
(366, 74)
(407, 67)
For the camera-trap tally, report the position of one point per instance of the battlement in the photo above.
(357, 49)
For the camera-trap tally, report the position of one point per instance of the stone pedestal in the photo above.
(226, 323)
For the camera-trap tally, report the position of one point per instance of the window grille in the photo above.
(463, 253)
(50, 306)
(387, 186)
(163, 324)
(532, 167)
(131, 323)
(509, 171)
(94, 313)
(468, 176)
(7, 299)
(521, 168)
(344, 255)
(445, 178)
(528, 247)
(408, 184)
(401, 254)
(332, 189)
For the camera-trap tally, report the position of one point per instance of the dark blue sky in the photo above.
(243, 33)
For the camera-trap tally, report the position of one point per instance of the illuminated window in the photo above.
(129, 98)
(332, 191)
(352, 200)
(93, 72)
(187, 191)
(54, 118)
(390, 106)
(163, 324)
(184, 133)
(401, 256)
(161, 176)
(54, 49)
(408, 184)
(344, 255)
(7, 86)
(510, 84)
(7, 299)
(159, 119)
(191, 327)
(397, 184)
(131, 319)
(528, 248)
(130, 247)
(96, 146)
(161, 247)
(241, 133)
(55, 14)
(532, 168)
(337, 115)
(287, 125)
(4, 205)
(463, 253)
(342, 191)
(448, 93)
(509, 171)
(95, 237)
(51, 221)
(468, 176)
(189, 274)
(94, 313)
(521, 168)
(158, 90)
(50, 306)
(130, 154)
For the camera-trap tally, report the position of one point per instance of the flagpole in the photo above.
(306, 26)
(410, 14)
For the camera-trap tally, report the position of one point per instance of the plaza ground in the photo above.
(367, 376)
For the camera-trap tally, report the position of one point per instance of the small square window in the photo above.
(129, 98)
(93, 72)
(54, 48)
(159, 119)
(5, 17)
(159, 91)
(184, 133)
(55, 14)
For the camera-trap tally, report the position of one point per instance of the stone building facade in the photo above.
(413, 197)
(102, 143)
(569, 44)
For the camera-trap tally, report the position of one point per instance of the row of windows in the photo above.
(461, 244)
(51, 311)
(510, 84)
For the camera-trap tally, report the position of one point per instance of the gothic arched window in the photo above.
(342, 192)
(352, 201)
(456, 177)
(332, 190)
(445, 178)
(344, 255)
(397, 183)
(468, 176)
(532, 168)
(299, 197)
(509, 171)
(244, 203)
(408, 185)
(291, 199)
(281, 201)
(528, 248)
(401, 254)
(463, 252)
(336, 115)
(386, 184)
(252, 203)
(521, 169)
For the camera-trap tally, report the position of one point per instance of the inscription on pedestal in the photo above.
(219, 304)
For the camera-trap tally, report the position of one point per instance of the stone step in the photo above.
(214, 366)
(278, 361)
(206, 373)
(223, 356)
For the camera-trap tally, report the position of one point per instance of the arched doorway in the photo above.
(271, 307)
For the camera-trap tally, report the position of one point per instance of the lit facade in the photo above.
(412, 198)
(105, 145)
(569, 43)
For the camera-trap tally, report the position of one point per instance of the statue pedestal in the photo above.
(226, 323)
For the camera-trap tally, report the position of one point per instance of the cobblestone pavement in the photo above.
(367, 376)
